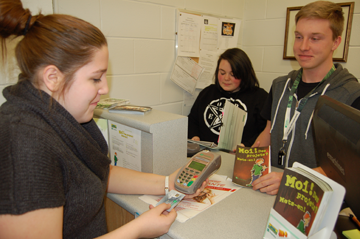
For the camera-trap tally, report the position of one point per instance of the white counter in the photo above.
(243, 214)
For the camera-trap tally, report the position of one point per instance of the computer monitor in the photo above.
(337, 146)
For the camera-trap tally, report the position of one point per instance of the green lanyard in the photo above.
(289, 125)
(305, 99)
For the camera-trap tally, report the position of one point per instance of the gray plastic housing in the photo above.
(196, 171)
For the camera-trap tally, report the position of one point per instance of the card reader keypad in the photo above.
(187, 177)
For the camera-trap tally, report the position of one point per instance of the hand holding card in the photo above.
(173, 198)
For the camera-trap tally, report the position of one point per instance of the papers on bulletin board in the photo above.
(209, 34)
(219, 187)
(189, 26)
(208, 60)
(125, 146)
(201, 32)
(228, 33)
(205, 37)
(185, 73)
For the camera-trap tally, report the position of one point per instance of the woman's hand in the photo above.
(199, 190)
(156, 221)
(172, 178)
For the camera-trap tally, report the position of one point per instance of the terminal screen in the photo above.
(197, 166)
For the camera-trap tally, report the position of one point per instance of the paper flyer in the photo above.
(250, 164)
(125, 146)
(219, 187)
(185, 73)
(189, 28)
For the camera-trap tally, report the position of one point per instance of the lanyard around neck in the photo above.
(289, 124)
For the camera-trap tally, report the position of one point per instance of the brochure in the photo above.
(219, 187)
(250, 164)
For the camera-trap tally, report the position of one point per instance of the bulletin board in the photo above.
(200, 40)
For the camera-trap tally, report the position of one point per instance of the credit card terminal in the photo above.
(196, 171)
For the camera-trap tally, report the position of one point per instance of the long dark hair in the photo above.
(241, 67)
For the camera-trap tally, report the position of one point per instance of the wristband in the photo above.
(166, 185)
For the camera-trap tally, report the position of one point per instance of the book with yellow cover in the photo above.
(250, 164)
(306, 206)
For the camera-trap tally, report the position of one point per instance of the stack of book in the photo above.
(109, 103)
(306, 206)
(130, 109)
(121, 106)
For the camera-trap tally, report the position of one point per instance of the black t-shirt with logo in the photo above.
(205, 117)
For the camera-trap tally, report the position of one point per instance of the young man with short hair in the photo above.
(292, 98)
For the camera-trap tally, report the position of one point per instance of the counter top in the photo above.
(243, 214)
(144, 122)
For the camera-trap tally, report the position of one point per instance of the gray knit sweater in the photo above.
(50, 160)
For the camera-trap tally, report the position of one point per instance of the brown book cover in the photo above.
(299, 199)
(250, 164)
